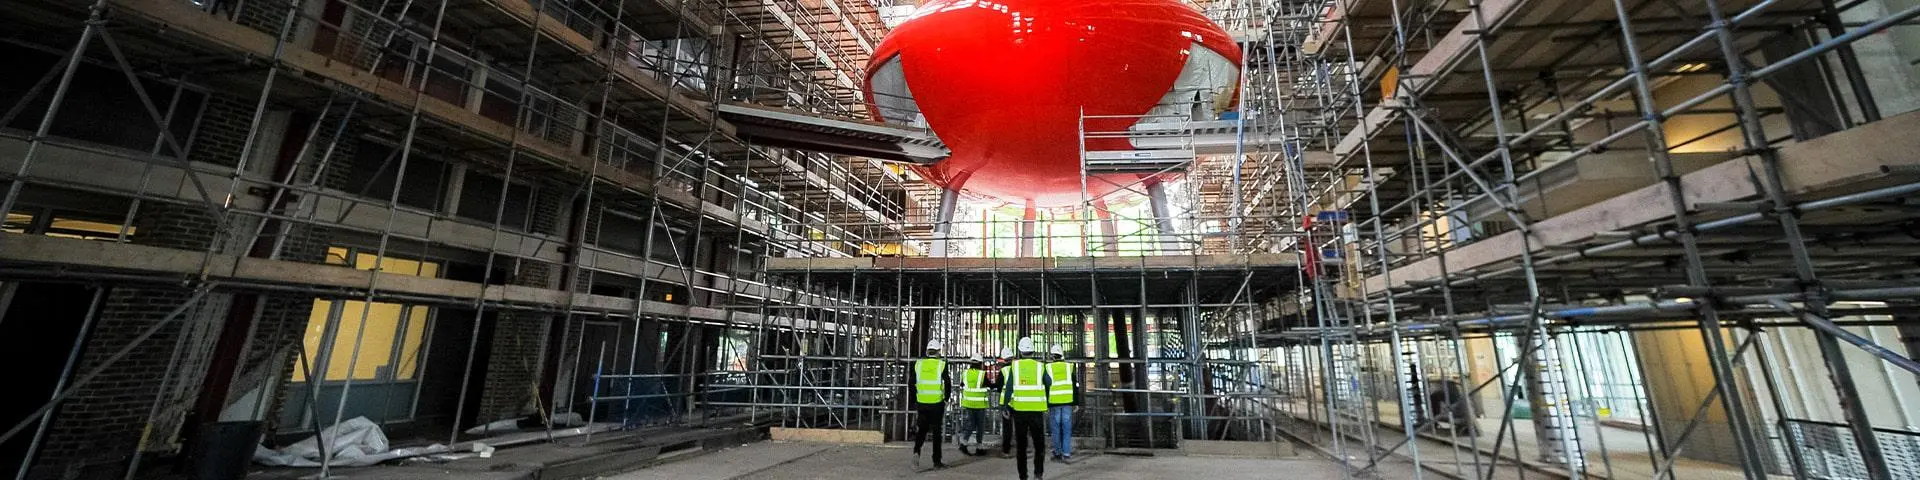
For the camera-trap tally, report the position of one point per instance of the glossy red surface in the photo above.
(1003, 83)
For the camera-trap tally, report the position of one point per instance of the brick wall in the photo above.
(98, 428)
(514, 363)
(265, 16)
(513, 366)
(223, 131)
(94, 432)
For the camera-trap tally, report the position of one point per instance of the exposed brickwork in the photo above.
(223, 131)
(265, 16)
(98, 428)
(514, 364)
(95, 432)
(549, 205)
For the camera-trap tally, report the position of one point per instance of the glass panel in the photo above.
(410, 348)
(376, 351)
(732, 354)
(315, 334)
(376, 343)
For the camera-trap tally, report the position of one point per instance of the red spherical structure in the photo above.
(1004, 84)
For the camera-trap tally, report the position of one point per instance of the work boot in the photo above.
(916, 459)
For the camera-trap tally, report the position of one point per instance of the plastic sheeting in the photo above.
(520, 424)
(352, 443)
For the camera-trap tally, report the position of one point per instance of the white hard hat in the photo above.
(975, 358)
(1057, 351)
(933, 345)
(1006, 353)
(1026, 345)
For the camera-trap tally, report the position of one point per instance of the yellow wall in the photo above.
(1681, 128)
(1678, 378)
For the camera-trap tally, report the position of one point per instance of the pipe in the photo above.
(1825, 325)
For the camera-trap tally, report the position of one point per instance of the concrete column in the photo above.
(1123, 344)
(1109, 229)
(456, 186)
(478, 92)
(1029, 239)
(1163, 216)
(725, 61)
(943, 222)
(1101, 328)
(1139, 339)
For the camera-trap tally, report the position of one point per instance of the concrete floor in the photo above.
(776, 460)
(1625, 454)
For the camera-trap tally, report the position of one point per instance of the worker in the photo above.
(999, 385)
(930, 388)
(1026, 395)
(1061, 397)
(973, 398)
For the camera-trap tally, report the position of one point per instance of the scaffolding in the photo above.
(1435, 237)
(606, 197)
(1472, 254)
(641, 212)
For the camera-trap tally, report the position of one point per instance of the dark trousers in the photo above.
(1006, 435)
(1030, 428)
(929, 426)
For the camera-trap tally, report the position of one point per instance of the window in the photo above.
(69, 227)
(371, 175)
(447, 80)
(389, 337)
(621, 233)
(501, 100)
(480, 200)
(732, 355)
(101, 106)
(65, 224)
(383, 331)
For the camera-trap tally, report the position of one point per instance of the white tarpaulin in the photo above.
(516, 424)
(352, 443)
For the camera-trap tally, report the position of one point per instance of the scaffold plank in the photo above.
(90, 255)
(978, 264)
(1848, 161)
(181, 17)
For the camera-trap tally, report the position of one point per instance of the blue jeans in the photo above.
(1060, 429)
(975, 423)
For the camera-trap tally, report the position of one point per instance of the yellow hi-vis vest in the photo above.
(1029, 395)
(1060, 392)
(973, 389)
(928, 385)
